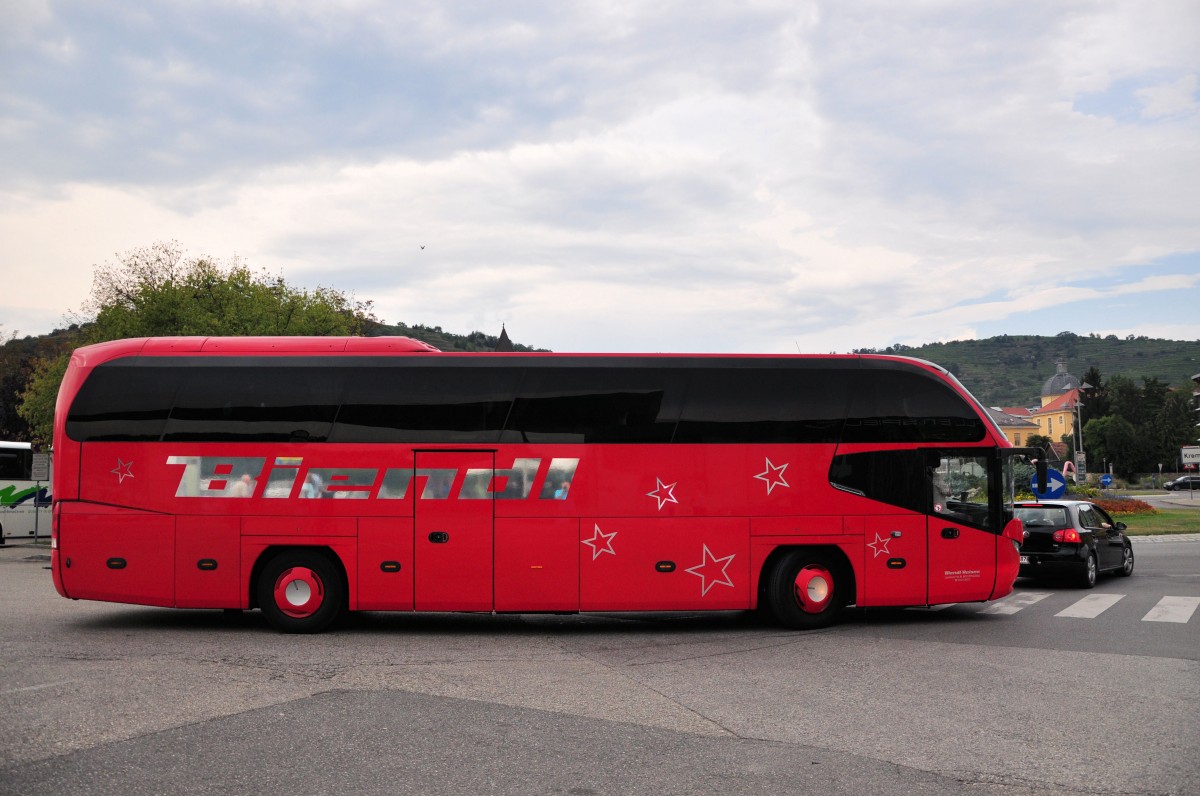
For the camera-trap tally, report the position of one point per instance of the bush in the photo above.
(1126, 506)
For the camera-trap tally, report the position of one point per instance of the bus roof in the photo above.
(166, 346)
(96, 354)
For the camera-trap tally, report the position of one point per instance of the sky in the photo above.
(611, 176)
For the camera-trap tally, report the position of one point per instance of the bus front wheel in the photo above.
(806, 589)
(301, 591)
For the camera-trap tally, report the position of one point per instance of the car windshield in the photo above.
(1042, 516)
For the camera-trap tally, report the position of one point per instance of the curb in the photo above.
(1162, 538)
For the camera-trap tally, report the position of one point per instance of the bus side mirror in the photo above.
(1042, 477)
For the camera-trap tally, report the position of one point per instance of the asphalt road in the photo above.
(1025, 696)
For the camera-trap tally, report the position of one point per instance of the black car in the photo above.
(1184, 482)
(1073, 538)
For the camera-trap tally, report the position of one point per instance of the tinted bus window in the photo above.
(894, 477)
(254, 401)
(595, 404)
(424, 404)
(763, 405)
(502, 400)
(123, 402)
(903, 406)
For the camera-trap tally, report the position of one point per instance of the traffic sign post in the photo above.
(40, 472)
(1056, 486)
(40, 467)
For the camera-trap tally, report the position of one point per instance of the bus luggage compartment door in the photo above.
(115, 556)
(894, 572)
(452, 531)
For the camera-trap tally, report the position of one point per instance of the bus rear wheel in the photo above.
(807, 589)
(301, 591)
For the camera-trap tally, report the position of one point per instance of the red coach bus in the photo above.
(310, 476)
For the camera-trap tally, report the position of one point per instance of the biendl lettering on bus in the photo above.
(287, 477)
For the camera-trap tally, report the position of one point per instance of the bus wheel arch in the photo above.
(299, 589)
(806, 587)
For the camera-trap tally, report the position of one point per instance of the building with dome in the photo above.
(1060, 399)
(1054, 418)
(1058, 384)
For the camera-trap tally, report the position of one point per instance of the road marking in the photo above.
(36, 687)
(1173, 609)
(1016, 602)
(1091, 606)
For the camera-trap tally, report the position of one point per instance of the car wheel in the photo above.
(807, 590)
(1126, 561)
(1087, 577)
(301, 591)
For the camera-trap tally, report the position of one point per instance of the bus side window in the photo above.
(892, 477)
(16, 465)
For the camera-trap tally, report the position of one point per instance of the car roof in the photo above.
(1036, 504)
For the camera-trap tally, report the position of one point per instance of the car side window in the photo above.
(1087, 517)
(1103, 520)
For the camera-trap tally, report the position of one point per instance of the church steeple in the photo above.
(503, 343)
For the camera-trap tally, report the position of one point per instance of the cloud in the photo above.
(622, 176)
(1173, 99)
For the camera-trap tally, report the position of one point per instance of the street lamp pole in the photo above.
(1080, 456)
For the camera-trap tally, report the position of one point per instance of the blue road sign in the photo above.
(1056, 486)
(1106, 480)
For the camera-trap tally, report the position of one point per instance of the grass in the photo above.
(1164, 521)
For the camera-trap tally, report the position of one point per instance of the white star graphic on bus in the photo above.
(123, 470)
(663, 493)
(601, 542)
(773, 476)
(707, 571)
(880, 545)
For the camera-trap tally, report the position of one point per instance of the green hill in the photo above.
(1010, 370)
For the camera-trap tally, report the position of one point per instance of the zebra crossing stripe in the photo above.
(1015, 603)
(1173, 609)
(1091, 606)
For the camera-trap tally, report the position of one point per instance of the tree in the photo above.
(1112, 439)
(37, 400)
(1040, 441)
(1125, 400)
(1095, 395)
(1174, 426)
(157, 291)
(18, 359)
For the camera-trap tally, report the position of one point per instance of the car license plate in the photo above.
(1024, 559)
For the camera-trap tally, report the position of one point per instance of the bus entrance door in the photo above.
(962, 562)
(453, 534)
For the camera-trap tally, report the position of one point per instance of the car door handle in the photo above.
(949, 533)
(439, 537)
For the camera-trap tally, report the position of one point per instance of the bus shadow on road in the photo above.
(369, 623)
(967, 614)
